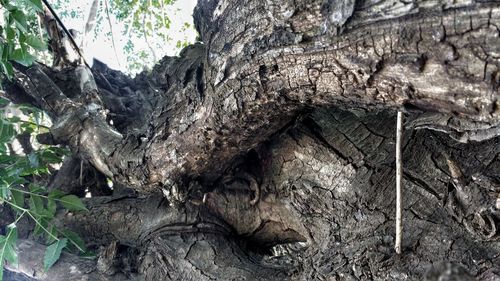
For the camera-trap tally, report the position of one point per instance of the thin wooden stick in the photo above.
(81, 172)
(112, 34)
(399, 172)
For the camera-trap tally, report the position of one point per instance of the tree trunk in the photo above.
(267, 151)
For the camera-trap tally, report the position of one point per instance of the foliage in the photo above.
(145, 25)
(146, 20)
(142, 27)
(17, 35)
(146, 28)
(20, 191)
(22, 41)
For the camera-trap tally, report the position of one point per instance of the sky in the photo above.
(101, 46)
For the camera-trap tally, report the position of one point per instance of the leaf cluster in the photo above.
(147, 28)
(17, 36)
(20, 192)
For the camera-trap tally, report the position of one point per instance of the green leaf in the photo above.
(8, 246)
(75, 239)
(3, 101)
(40, 225)
(35, 4)
(20, 20)
(4, 189)
(11, 255)
(51, 235)
(56, 194)
(28, 128)
(53, 253)
(35, 188)
(14, 119)
(72, 203)
(1, 269)
(51, 155)
(36, 43)
(17, 198)
(11, 35)
(11, 234)
(21, 39)
(16, 55)
(7, 69)
(7, 131)
(33, 160)
(3, 148)
(51, 207)
(22, 57)
(7, 5)
(36, 205)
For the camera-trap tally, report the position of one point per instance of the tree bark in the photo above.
(267, 151)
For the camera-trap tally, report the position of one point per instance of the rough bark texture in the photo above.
(266, 151)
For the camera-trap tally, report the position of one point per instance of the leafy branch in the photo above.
(19, 192)
(17, 36)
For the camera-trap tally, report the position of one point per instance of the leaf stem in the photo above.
(35, 194)
(45, 229)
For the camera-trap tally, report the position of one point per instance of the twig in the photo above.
(81, 172)
(112, 34)
(399, 171)
(27, 211)
(146, 38)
